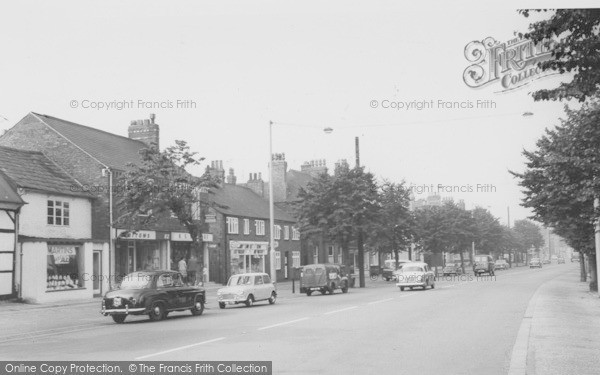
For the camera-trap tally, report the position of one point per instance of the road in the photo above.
(463, 326)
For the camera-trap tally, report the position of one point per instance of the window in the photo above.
(278, 260)
(232, 225)
(286, 232)
(330, 254)
(295, 234)
(58, 213)
(246, 226)
(260, 227)
(316, 255)
(277, 232)
(64, 267)
(258, 280)
(267, 279)
(164, 281)
(296, 259)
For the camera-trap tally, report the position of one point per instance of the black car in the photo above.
(156, 293)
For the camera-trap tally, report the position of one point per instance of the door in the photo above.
(97, 273)
(286, 265)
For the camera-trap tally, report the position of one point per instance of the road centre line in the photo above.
(282, 324)
(380, 301)
(180, 348)
(340, 310)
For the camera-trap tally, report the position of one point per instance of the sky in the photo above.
(216, 73)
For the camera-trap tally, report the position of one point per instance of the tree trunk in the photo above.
(462, 261)
(583, 273)
(593, 273)
(361, 259)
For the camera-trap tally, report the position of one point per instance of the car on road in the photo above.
(247, 288)
(156, 293)
(323, 278)
(501, 264)
(554, 257)
(390, 266)
(546, 261)
(452, 269)
(575, 257)
(415, 274)
(535, 262)
(560, 260)
(483, 264)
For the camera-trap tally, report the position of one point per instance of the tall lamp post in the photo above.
(272, 270)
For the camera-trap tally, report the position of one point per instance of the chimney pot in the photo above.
(152, 117)
(259, 175)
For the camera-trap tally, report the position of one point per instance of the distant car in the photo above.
(535, 262)
(484, 264)
(452, 269)
(247, 288)
(575, 257)
(324, 278)
(546, 261)
(560, 260)
(156, 293)
(390, 267)
(501, 264)
(415, 274)
(554, 257)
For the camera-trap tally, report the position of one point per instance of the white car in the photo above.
(415, 274)
(247, 288)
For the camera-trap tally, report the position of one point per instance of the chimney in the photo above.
(217, 172)
(314, 167)
(231, 179)
(256, 184)
(279, 177)
(146, 131)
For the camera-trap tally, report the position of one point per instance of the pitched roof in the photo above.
(242, 201)
(33, 170)
(9, 198)
(110, 149)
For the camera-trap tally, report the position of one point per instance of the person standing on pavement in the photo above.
(182, 267)
(192, 269)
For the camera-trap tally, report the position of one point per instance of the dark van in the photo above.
(323, 278)
(484, 264)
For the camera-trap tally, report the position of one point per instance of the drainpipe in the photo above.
(111, 243)
(20, 295)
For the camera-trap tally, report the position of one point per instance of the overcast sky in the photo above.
(305, 65)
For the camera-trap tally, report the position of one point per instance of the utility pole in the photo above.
(359, 236)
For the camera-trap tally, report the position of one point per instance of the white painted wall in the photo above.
(33, 221)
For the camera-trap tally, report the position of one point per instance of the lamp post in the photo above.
(272, 270)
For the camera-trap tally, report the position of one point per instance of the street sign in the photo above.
(209, 218)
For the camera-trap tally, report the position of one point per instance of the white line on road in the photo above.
(180, 348)
(380, 301)
(340, 310)
(282, 324)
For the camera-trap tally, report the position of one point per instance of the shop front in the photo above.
(141, 250)
(197, 259)
(248, 256)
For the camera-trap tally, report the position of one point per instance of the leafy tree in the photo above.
(489, 234)
(160, 186)
(572, 37)
(528, 235)
(395, 226)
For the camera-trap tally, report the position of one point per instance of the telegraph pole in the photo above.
(359, 236)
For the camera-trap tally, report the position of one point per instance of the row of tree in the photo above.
(350, 204)
(562, 176)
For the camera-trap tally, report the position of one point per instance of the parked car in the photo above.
(247, 288)
(324, 278)
(561, 260)
(535, 262)
(554, 258)
(452, 269)
(501, 264)
(575, 257)
(415, 274)
(390, 267)
(546, 261)
(156, 293)
(483, 264)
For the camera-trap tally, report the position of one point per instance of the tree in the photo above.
(394, 229)
(489, 234)
(528, 235)
(561, 179)
(160, 186)
(572, 38)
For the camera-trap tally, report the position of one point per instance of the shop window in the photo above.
(260, 227)
(58, 213)
(296, 259)
(246, 226)
(286, 232)
(232, 225)
(330, 254)
(278, 260)
(295, 234)
(65, 268)
(316, 255)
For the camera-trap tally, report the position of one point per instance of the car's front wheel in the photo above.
(249, 301)
(402, 289)
(273, 298)
(309, 293)
(345, 288)
(198, 308)
(157, 312)
(119, 318)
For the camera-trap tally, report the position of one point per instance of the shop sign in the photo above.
(210, 218)
(181, 236)
(139, 235)
(248, 247)
(61, 254)
(207, 237)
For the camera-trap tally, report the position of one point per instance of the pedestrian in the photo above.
(192, 269)
(182, 267)
(204, 274)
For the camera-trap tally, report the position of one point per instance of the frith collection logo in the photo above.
(512, 64)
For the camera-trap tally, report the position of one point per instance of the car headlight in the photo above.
(240, 293)
(219, 293)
